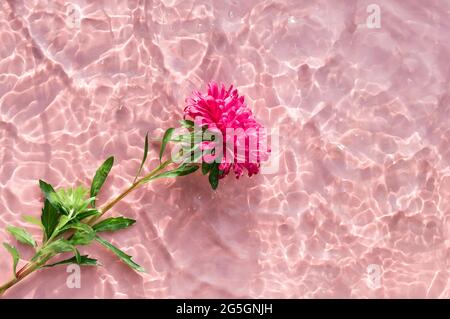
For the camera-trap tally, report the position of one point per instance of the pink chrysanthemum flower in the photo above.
(222, 109)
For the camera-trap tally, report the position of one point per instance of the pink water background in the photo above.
(364, 162)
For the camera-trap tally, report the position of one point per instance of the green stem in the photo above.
(33, 266)
(134, 186)
(21, 274)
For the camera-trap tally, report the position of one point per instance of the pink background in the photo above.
(364, 172)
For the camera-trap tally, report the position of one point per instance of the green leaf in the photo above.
(123, 256)
(187, 123)
(83, 261)
(63, 221)
(206, 167)
(87, 213)
(181, 170)
(49, 218)
(72, 201)
(100, 177)
(77, 256)
(49, 192)
(113, 223)
(214, 176)
(32, 220)
(15, 256)
(82, 238)
(21, 235)
(84, 234)
(59, 246)
(78, 226)
(56, 247)
(166, 138)
(144, 158)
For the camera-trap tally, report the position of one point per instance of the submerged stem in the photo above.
(135, 185)
(21, 274)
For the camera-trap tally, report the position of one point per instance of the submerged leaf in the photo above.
(182, 170)
(82, 238)
(87, 213)
(49, 218)
(206, 167)
(144, 158)
(113, 223)
(54, 248)
(214, 176)
(77, 226)
(187, 123)
(14, 254)
(123, 256)
(100, 177)
(84, 234)
(72, 201)
(58, 246)
(77, 256)
(166, 138)
(48, 192)
(32, 220)
(83, 261)
(63, 221)
(21, 235)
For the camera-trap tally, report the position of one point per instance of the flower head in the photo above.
(225, 111)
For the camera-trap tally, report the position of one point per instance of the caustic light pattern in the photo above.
(360, 205)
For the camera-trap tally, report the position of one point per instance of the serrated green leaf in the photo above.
(214, 176)
(123, 256)
(83, 261)
(60, 246)
(77, 226)
(166, 138)
(87, 213)
(63, 221)
(144, 158)
(49, 218)
(14, 254)
(113, 223)
(21, 235)
(56, 247)
(49, 192)
(72, 201)
(84, 234)
(100, 177)
(82, 238)
(32, 220)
